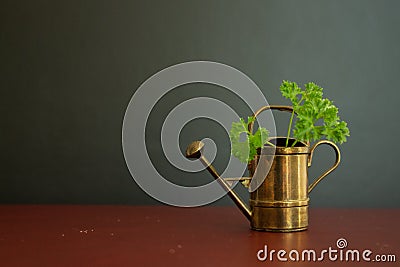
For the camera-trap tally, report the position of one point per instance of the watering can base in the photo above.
(279, 230)
(280, 219)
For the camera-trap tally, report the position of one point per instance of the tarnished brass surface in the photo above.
(337, 152)
(245, 181)
(279, 219)
(280, 203)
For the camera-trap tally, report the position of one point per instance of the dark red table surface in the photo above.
(57, 235)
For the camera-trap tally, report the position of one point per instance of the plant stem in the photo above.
(271, 144)
(290, 128)
(294, 143)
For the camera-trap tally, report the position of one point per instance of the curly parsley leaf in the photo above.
(316, 118)
(246, 150)
(291, 91)
(311, 108)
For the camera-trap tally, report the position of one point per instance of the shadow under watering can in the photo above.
(281, 198)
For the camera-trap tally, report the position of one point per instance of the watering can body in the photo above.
(280, 203)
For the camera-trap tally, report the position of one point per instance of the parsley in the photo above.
(316, 118)
(246, 150)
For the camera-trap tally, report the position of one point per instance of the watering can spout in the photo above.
(194, 151)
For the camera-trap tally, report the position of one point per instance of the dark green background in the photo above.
(69, 69)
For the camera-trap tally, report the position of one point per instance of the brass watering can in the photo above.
(280, 203)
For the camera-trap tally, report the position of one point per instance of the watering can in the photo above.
(280, 203)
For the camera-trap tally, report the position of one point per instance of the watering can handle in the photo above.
(277, 107)
(290, 109)
(337, 152)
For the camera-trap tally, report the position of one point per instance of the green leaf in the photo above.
(310, 110)
(312, 91)
(291, 91)
(246, 150)
(337, 132)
